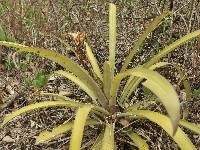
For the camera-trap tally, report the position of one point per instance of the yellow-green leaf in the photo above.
(179, 137)
(80, 83)
(78, 127)
(151, 27)
(112, 36)
(46, 104)
(66, 63)
(159, 86)
(191, 126)
(93, 61)
(140, 143)
(133, 82)
(171, 47)
(108, 139)
(57, 131)
(107, 79)
(158, 65)
(39, 105)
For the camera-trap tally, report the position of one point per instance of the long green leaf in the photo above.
(108, 139)
(39, 105)
(78, 127)
(191, 126)
(159, 86)
(140, 143)
(107, 79)
(152, 26)
(180, 137)
(66, 63)
(80, 83)
(93, 61)
(47, 104)
(135, 81)
(171, 47)
(112, 36)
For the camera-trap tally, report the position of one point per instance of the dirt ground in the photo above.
(38, 23)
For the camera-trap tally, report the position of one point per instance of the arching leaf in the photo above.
(191, 126)
(66, 63)
(171, 47)
(137, 45)
(179, 137)
(159, 86)
(47, 104)
(133, 83)
(80, 83)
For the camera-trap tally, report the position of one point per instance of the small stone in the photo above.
(8, 139)
(32, 123)
(10, 90)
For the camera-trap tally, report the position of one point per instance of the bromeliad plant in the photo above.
(109, 107)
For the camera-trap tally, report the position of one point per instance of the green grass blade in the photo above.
(191, 126)
(66, 63)
(57, 131)
(140, 143)
(171, 47)
(108, 139)
(107, 79)
(78, 127)
(180, 137)
(159, 86)
(80, 83)
(112, 36)
(93, 61)
(152, 26)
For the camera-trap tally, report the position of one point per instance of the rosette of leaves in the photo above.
(110, 107)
